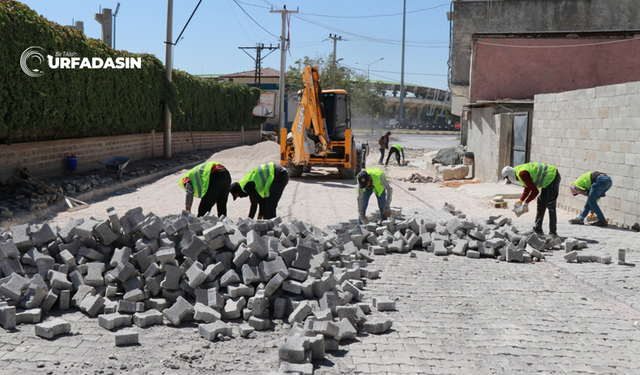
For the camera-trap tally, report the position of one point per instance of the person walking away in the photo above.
(395, 150)
(594, 185)
(209, 181)
(263, 185)
(542, 180)
(372, 180)
(383, 142)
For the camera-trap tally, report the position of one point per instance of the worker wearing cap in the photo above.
(373, 180)
(209, 181)
(263, 185)
(383, 142)
(395, 150)
(541, 180)
(594, 185)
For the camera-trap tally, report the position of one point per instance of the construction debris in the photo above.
(417, 177)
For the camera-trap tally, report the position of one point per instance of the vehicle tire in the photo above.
(295, 170)
(350, 173)
(306, 169)
(360, 163)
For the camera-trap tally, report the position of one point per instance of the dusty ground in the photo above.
(319, 197)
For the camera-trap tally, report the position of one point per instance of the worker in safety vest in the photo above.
(264, 185)
(373, 180)
(593, 185)
(537, 178)
(209, 181)
(395, 150)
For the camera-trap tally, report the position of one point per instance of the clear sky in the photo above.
(372, 29)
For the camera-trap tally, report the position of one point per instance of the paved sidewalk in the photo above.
(461, 316)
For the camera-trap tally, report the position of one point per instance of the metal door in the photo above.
(520, 138)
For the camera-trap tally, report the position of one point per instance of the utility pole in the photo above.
(258, 60)
(335, 42)
(168, 64)
(404, 18)
(283, 64)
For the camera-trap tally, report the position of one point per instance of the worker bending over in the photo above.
(395, 150)
(537, 178)
(209, 181)
(373, 180)
(264, 185)
(593, 185)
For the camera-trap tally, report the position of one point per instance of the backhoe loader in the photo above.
(321, 135)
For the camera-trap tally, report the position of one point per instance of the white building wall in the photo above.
(596, 129)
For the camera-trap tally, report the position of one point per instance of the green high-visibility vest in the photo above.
(584, 181)
(199, 176)
(397, 147)
(262, 176)
(542, 174)
(376, 174)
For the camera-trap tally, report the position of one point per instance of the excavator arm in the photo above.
(309, 130)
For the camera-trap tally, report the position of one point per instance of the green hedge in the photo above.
(76, 103)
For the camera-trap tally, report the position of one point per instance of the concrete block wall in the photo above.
(593, 129)
(486, 135)
(48, 158)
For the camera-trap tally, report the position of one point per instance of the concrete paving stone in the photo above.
(240, 290)
(92, 304)
(172, 277)
(120, 255)
(14, 286)
(114, 320)
(260, 324)
(275, 282)
(270, 268)
(52, 328)
(204, 313)
(211, 331)
(126, 337)
(179, 311)
(34, 296)
(294, 349)
(245, 330)
(7, 316)
(233, 308)
(156, 304)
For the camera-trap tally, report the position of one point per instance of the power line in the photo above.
(369, 16)
(256, 22)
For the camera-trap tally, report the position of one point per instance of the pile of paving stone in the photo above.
(145, 270)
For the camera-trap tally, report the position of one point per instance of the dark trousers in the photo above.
(547, 200)
(381, 156)
(393, 151)
(217, 193)
(280, 181)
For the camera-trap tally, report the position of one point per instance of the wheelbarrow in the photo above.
(115, 165)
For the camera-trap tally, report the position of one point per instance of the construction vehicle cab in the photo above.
(321, 132)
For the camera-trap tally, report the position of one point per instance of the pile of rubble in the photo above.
(145, 270)
(19, 192)
(417, 177)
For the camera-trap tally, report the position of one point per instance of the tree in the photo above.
(367, 98)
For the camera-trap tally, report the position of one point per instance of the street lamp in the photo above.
(369, 65)
(114, 25)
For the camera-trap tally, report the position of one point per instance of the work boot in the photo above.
(538, 231)
(576, 221)
(601, 223)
